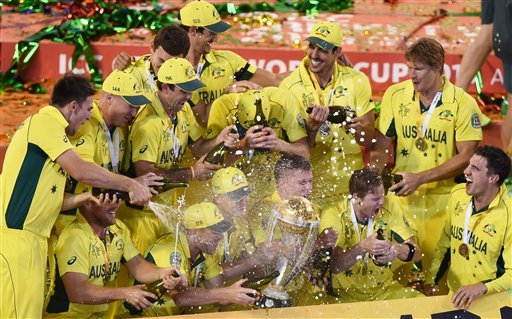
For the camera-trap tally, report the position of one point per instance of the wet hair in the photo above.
(498, 161)
(364, 181)
(71, 87)
(173, 40)
(290, 162)
(427, 51)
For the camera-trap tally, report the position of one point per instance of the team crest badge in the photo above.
(237, 179)
(218, 72)
(175, 259)
(323, 31)
(446, 115)
(339, 91)
(120, 244)
(475, 121)
(381, 224)
(490, 230)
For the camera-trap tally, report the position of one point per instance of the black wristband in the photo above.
(412, 250)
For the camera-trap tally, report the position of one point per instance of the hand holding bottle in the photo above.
(204, 170)
(138, 297)
(317, 116)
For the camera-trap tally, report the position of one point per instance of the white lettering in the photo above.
(276, 63)
(497, 77)
(81, 66)
(400, 71)
(374, 73)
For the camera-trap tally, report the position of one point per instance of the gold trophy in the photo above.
(295, 222)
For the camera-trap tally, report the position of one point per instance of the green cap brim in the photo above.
(221, 227)
(238, 194)
(218, 27)
(321, 43)
(138, 100)
(190, 86)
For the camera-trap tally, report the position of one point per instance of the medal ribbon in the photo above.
(356, 227)
(200, 66)
(430, 111)
(104, 251)
(149, 73)
(318, 89)
(113, 147)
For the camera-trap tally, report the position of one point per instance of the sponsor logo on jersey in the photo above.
(143, 149)
(72, 260)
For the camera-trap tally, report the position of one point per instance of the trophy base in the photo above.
(274, 298)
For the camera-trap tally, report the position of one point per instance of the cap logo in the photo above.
(199, 223)
(196, 20)
(323, 31)
(116, 89)
(168, 78)
(190, 72)
(237, 179)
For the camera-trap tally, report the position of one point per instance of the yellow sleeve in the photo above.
(220, 115)
(84, 141)
(52, 139)
(72, 252)
(331, 218)
(386, 115)
(398, 222)
(467, 123)
(212, 266)
(144, 138)
(238, 63)
(504, 282)
(130, 251)
(363, 97)
(293, 121)
(196, 131)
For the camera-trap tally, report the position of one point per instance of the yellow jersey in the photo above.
(80, 250)
(365, 280)
(490, 244)
(336, 153)
(455, 119)
(32, 182)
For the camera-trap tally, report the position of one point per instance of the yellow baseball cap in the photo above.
(126, 86)
(180, 72)
(200, 13)
(205, 215)
(247, 107)
(326, 35)
(230, 181)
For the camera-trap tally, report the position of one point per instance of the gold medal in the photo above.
(464, 250)
(421, 144)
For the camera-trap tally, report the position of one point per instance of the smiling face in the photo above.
(79, 113)
(321, 62)
(369, 205)
(202, 41)
(477, 176)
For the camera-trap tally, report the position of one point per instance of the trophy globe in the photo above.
(295, 223)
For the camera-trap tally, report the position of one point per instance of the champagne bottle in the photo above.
(260, 119)
(389, 179)
(219, 153)
(111, 192)
(380, 236)
(258, 283)
(321, 263)
(168, 185)
(338, 114)
(157, 288)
